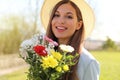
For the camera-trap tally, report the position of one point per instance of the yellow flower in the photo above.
(57, 55)
(65, 67)
(45, 63)
(59, 69)
(49, 61)
(66, 48)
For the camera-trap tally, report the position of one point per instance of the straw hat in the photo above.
(87, 14)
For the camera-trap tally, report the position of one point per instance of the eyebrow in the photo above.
(67, 12)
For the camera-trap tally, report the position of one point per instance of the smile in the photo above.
(61, 28)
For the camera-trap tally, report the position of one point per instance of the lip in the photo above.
(61, 28)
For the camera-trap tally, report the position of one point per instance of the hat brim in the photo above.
(87, 14)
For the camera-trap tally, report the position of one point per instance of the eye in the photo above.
(70, 17)
(56, 15)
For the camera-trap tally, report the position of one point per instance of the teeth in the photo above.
(61, 28)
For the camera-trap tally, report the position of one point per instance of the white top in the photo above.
(88, 67)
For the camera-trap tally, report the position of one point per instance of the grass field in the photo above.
(17, 75)
(109, 63)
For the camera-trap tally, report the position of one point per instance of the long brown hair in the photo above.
(75, 41)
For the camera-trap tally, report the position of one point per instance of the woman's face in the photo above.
(64, 22)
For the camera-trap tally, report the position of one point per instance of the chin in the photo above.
(60, 36)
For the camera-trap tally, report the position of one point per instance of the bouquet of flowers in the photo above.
(44, 62)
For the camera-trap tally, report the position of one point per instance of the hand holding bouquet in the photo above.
(46, 63)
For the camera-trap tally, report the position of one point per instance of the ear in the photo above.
(79, 25)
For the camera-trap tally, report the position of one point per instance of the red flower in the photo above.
(40, 50)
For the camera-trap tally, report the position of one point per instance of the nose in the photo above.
(61, 20)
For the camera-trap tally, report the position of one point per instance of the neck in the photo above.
(63, 41)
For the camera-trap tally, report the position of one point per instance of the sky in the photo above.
(106, 11)
(108, 17)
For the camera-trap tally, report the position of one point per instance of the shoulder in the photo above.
(86, 57)
(86, 64)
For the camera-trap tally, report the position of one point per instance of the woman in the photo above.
(70, 24)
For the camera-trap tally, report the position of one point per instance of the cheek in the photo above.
(72, 26)
(53, 24)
